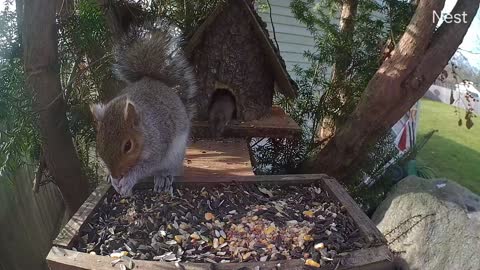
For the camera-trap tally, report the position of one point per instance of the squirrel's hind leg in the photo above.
(172, 165)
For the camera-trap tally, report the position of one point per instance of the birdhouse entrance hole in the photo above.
(222, 93)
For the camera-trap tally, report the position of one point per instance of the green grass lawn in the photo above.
(454, 151)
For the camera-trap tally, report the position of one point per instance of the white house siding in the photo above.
(292, 36)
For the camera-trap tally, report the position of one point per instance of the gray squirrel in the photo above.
(144, 131)
(221, 111)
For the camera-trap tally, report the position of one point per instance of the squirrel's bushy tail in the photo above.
(152, 50)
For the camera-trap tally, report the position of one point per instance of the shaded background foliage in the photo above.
(18, 134)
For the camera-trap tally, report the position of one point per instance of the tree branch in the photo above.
(42, 166)
(120, 15)
(444, 43)
(273, 26)
(413, 43)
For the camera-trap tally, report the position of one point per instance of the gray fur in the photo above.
(161, 86)
(153, 51)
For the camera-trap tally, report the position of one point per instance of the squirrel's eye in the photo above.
(127, 146)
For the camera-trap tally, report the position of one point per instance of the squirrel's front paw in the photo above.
(122, 186)
(163, 183)
(115, 183)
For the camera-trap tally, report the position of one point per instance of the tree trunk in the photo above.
(120, 15)
(402, 80)
(43, 80)
(343, 59)
(19, 13)
(64, 8)
(343, 56)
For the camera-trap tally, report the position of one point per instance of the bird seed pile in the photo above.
(228, 223)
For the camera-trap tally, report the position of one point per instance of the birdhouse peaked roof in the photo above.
(285, 84)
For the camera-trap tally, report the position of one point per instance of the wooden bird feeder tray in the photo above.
(227, 157)
(216, 163)
(375, 255)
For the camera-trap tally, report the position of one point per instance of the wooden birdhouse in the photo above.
(232, 53)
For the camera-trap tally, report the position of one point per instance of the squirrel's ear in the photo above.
(98, 111)
(130, 114)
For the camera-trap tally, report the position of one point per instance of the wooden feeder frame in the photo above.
(277, 124)
(375, 257)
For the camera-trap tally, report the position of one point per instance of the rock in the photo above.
(432, 224)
